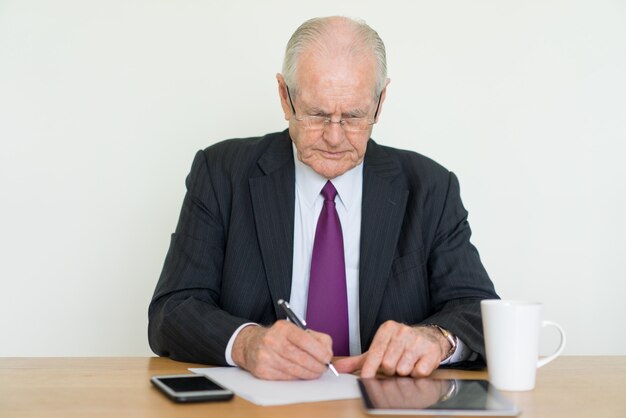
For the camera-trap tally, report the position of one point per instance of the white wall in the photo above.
(103, 105)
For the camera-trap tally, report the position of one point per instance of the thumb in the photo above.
(350, 364)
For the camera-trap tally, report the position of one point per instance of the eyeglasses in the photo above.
(318, 123)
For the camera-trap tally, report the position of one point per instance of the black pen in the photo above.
(300, 323)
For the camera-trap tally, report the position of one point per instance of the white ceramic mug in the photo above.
(512, 342)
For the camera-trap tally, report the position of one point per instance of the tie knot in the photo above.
(329, 192)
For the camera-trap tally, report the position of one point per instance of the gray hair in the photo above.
(315, 31)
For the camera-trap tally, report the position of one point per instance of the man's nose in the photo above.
(334, 133)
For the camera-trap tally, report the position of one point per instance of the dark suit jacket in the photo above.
(230, 258)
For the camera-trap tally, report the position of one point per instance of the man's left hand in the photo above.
(399, 349)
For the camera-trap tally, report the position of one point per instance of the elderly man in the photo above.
(369, 244)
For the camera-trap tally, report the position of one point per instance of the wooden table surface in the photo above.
(117, 387)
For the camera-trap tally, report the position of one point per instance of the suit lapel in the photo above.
(382, 212)
(273, 197)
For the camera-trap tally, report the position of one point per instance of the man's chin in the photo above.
(331, 171)
(329, 168)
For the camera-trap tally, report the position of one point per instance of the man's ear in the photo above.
(284, 98)
(383, 95)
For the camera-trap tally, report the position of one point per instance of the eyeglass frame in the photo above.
(327, 120)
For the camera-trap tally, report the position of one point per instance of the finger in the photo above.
(419, 345)
(265, 363)
(324, 340)
(349, 364)
(302, 348)
(313, 349)
(407, 362)
(393, 353)
(302, 363)
(425, 365)
(277, 351)
(377, 349)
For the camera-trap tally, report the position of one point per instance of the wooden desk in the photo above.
(119, 387)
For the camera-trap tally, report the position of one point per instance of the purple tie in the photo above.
(327, 306)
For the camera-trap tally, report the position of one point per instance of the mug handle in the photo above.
(545, 360)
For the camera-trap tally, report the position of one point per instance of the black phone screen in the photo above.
(190, 384)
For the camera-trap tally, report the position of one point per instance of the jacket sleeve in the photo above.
(185, 321)
(457, 279)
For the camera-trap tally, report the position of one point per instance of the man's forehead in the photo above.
(336, 76)
(324, 61)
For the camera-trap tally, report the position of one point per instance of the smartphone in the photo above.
(191, 388)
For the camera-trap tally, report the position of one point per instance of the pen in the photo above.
(300, 323)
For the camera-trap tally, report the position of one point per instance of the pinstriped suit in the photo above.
(230, 258)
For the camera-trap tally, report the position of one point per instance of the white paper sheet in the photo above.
(264, 392)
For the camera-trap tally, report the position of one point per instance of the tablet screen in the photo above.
(427, 396)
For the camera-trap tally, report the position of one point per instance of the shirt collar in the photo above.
(310, 184)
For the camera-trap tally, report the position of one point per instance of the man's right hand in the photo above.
(282, 352)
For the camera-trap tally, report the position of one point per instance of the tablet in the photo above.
(427, 396)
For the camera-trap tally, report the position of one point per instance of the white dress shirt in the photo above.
(309, 203)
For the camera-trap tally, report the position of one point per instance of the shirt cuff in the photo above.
(231, 342)
(461, 353)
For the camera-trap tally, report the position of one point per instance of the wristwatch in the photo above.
(449, 336)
